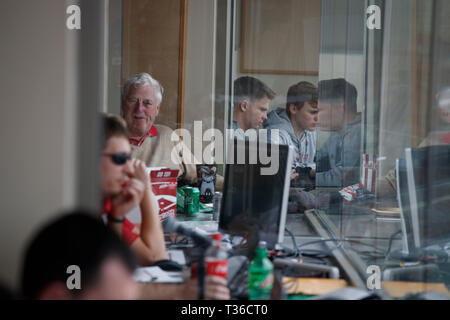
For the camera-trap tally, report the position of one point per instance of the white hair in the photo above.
(141, 80)
(443, 98)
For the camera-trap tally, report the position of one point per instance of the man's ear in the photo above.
(244, 105)
(55, 290)
(341, 107)
(157, 109)
(292, 108)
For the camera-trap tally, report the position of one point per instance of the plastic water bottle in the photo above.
(260, 275)
(216, 262)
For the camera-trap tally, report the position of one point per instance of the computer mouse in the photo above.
(169, 265)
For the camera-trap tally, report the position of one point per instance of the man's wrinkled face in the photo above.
(140, 110)
(114, 176)
(307, 116)
(256, 113)
(331, 115)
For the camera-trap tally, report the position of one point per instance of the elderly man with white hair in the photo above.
(151, 143)
(439, 134)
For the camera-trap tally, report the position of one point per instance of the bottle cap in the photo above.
(217, 236)
(262, 244)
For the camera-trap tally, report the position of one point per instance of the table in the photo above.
(365, 238)
(357, 238)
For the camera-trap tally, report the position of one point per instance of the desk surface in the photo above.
(296, 223)
(359, 231)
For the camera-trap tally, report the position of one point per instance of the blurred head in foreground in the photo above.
(77, 257)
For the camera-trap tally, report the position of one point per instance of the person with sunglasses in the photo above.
(125, 185)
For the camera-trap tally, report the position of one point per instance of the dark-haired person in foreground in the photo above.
(106, 265)
(105, 262)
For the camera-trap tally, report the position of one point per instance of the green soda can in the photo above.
(191, 201)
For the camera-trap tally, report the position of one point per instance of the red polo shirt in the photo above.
(138, 142)
(128, 236)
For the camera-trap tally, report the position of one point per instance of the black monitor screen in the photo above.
(429, 186)
(252, 203)
(403, 199)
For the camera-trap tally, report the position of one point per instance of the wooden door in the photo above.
(154, 42)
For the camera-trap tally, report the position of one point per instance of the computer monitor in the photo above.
(428, 175)
(408, 245)
(254, 203)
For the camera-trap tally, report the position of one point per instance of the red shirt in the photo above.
(446, 138)
(128, 236)
(138, 142)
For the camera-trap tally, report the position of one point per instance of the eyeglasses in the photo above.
(134, 100)
(119, 158)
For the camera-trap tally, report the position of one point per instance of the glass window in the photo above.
(359, 89)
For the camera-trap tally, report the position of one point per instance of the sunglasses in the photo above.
(119, 158)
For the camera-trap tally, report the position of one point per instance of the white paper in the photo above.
(204, 227)
(177, 256)
(156, 274)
